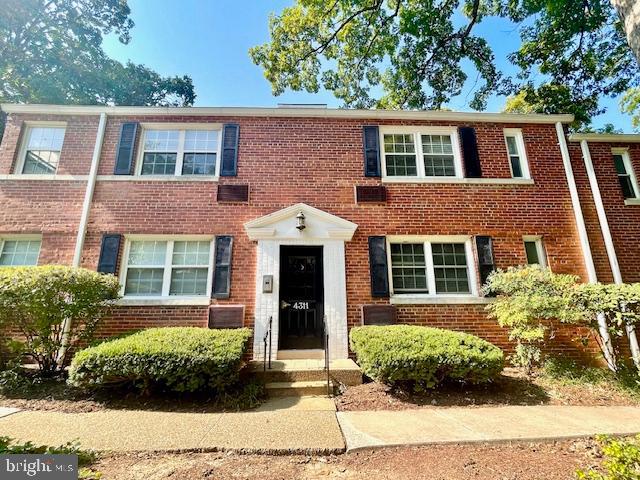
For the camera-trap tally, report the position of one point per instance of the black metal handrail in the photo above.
(326, 355)
(267, 335)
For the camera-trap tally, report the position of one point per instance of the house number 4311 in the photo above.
(300, 306)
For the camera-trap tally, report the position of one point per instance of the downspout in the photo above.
(84, 220)
(584, 242)
(608, 242)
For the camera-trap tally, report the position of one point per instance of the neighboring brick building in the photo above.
(306, 214)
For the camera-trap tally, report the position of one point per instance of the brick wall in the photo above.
(290, 160)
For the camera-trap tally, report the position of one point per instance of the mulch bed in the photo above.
(511, 388)
(516, 461)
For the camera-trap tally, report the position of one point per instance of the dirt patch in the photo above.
(518, 461)
(511, 388)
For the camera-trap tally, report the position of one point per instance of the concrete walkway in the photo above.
(311, 425)
(486, 424)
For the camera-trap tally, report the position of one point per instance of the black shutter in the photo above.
(378, 267)
(230, 135)
(371, 142)
(470, 152)
(109, 250)
(486, 262)
(222, 271)
(126, 146)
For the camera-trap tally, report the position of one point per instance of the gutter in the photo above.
(608, 242)
(84, 220)
(584, 242)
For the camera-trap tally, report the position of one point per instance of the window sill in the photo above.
(467, 181)
(439, 300)
(158, 178)
(632, 201)
(48, 178)
(159, 301)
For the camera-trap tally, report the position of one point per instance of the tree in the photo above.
(51, 52)
(631, 20)
(416, 54)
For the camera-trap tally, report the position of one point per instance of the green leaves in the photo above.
(622, 460)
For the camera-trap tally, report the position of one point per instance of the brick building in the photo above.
(316, 218)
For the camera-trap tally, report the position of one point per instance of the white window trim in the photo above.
(181, 128)
(22, 152)
(542, 252)
(628, 166)
(22, 237)
(165, 298)
(432, 296)
(522, 151)
(417, 132)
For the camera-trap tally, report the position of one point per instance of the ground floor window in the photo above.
(15, 252)
(534, 250)
(431, 267)
(168, 267)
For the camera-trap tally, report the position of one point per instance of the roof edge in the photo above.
(606, 137)
(440, 115)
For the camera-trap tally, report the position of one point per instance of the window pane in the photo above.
(41, 162)
(531, 249)
(512, 146)
(191, 253)
(161, 140)
(618, 161)
(199, 164)
(627, 186)
(20, 253)
(150, 253)
(450, 267)
(159, 164)
(144, 281)
(400, 155)
(408, 268)
(201, 141)
(188, 281)
(438, 156)
(516, 167)
(46, 138)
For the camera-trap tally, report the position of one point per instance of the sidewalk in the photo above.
(311, 425)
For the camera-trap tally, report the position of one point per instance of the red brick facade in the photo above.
(319, 161)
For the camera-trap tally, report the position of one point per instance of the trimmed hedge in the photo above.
(180, 359)
(424, 356)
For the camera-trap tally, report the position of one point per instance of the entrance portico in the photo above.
(319, 289)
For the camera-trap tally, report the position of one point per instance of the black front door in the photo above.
(301, 297)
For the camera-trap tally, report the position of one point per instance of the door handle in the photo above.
(284, 304)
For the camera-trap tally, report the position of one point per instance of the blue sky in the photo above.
(209, 40)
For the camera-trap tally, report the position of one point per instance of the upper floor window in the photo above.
(626, 176)
(17, 251)
(163, 268)
(421, 152)
(180, 152)
(41, 151)
(516, 151)
(534, 250)
(432, 267)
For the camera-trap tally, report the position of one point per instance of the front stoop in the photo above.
(300, 377)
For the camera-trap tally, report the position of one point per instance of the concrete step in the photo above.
(298, 389)
(306, 354)
(344, 371)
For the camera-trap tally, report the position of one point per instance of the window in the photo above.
(626, 177)
(434, 267)
(161, 268)
(534, 250)
(516, 151)
(421, 153)
(180, 152)
(16, 252)
(42, 150)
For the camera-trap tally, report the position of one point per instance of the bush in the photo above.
(180, 359)
(35, 302)
(622, 460)
(424, 357)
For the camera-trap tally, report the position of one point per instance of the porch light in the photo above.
(300, 217)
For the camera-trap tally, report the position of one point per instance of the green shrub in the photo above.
(9, 446)
(35, 302)
(622, 460)
(181, 359)
(424, 356)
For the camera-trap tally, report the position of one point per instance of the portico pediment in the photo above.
(283, 224)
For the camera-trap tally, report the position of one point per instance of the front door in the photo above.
(301, 298)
